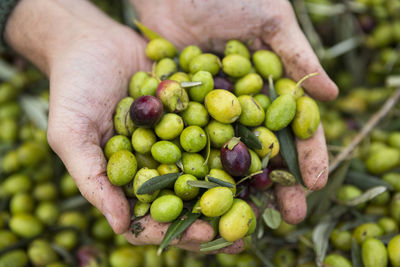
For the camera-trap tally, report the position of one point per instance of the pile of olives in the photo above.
(184, 118)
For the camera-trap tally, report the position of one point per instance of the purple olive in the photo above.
(235, 157)
(223, 83)
(245, 193)
(261, 181)
(146, 111)
(87, 255)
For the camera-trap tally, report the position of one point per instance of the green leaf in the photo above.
(272, 218)
(248, 177)
(220, 182)
(158, 182)
(365, 181)
(214, 245)
(355, 254)
(265, 160)
(272, 93)
(36, 109)
(190, 84)
(176, 228)
(366, 196)
(248, 137)
(208, 150)
(202, 184)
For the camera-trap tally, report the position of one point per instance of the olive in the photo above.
(261, 181)
(236, 47)
(235, 157)
(146, 111)
(223, 83)
(187, 54)
(160, 48)
(172, 95)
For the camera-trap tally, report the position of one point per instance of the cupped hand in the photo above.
(260, 24)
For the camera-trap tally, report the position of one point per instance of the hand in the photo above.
(89, 60)
(209, 24)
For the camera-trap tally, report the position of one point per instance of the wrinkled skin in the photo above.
(89, 60)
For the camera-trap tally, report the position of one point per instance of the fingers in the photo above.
(289, 42)
(291, 203)
(85, 162)
(153, 233)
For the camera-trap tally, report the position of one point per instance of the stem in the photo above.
(298, 84)
(373, 121)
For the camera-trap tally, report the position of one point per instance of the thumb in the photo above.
(81, 154)
(289, 42)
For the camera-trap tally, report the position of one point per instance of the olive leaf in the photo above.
(365, 181)
(202, 184)
(355, 254)
(366, 196)
(286, 141)
(272, 218)
(215, 244)
(176, 228)
(248, 137)
(265, 160)
(36, 109)
(190, 84)
(158, 182)
(67, 256)
(220, 182)
(208, 150)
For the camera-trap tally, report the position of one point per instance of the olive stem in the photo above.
(298, 84)
(373, 121)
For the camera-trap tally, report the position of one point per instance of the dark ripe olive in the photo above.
(244, 192)
(223, 83)
(261, 181)
(146, 111)
(86, 254)
(367, 23)
(235, 157)
(277, 162)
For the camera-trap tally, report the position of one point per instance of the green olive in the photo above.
(167, 168)
(223, 106)
(146, 161)
(136, 82)
(252, 113)
(224, 176)
(183, 190)
(307, 118)
(395, 207)
(207, 62)
(249, 84)
(284, 257)
(67, 239)
(17, 183)
(195, 114)
(366, 230)
(235, 223)
(10, 162)
(142, 176)
(236, 65)
(393, 249)
(392, 178)
(394, 139)
(165, 68)
(7, 92)
(180, 77)
(219, 133)
(373, 253)
(337, 260)
(193, 139)
(216, 201)
(47, 212)
(263, 100)
(341, 239)
(214, 161)
(101, 229)
(381, 199)
(166, 208)
(170, 126)
(121, 167)
(10, 110)
(236, 47)
(45, 191)
(127, 256)
(255, 164)
(148, 87)
(67, 186)
(14, 258)
(21, 203)
(349, 192)
(160, 48)
(383, 160)
(7, 238)
(44, 172)
(187, 54)
(268, 140)
(172, 257)
(31, 153)
(193, 164)
(143, 139)
(166, 152)
(123, 123)
(199, 92)
(280, 113)
(388, 225)
(141, 208)
(117, 143)
(286, 86)
(267, 63)
(41, 253)
(25, 225)
(73, 219)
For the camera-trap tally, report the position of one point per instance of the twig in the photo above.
(373, 121)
